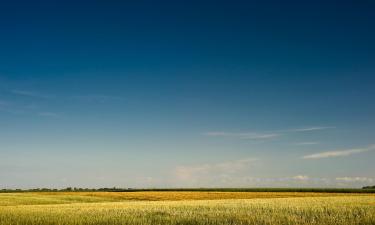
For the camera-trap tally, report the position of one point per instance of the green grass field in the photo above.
(185, 207)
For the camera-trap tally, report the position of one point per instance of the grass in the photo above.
(187, 208)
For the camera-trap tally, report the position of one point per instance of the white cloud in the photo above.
(266, 135)
(301, 177)
(30, 94)
(311, 129)
(252, 136)
(356, 179)
(261, 136)
(8, 107)
(206, 170)
(205, 177)
(338, 153)
(48, 114)
(306, 143)
(97, 98)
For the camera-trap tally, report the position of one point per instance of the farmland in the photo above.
(187, 207)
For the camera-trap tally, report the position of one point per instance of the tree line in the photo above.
(367, 189)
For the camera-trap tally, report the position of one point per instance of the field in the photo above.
(187, 207)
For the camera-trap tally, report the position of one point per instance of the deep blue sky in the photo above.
(187, 93)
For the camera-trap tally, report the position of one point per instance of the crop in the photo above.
(107, 208)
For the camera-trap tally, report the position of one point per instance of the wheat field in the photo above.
(169, 208)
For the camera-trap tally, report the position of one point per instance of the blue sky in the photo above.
(187, 94)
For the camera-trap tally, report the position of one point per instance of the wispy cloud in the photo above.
(252, 136)
(206, 170)
(268, 134)
(306, 143)
(97, 98)
(30, 94)
(244, 180)
(356, 179)
(8, 107)
(301, 177)
(338, 153)
(32, 109)
(48, 114)
(12, 111)
(310, 129)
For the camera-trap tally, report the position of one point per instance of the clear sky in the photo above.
(187, 93)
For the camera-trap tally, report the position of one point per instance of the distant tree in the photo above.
(369, 187)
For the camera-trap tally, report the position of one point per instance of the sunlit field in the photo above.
(187, 208)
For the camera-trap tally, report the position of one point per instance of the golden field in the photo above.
(185, 207)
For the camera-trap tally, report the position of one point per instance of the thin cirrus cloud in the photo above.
(48, 114)
(306, 143)
(301, 178)
(311, 129)
(97, 98)
(31, 94)
(204, 170)
(252, 136)
(10, 107)
(17, 109)
(269, 134)
(339, 153)
(356, 179)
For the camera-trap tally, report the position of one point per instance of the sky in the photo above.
(187, 94)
